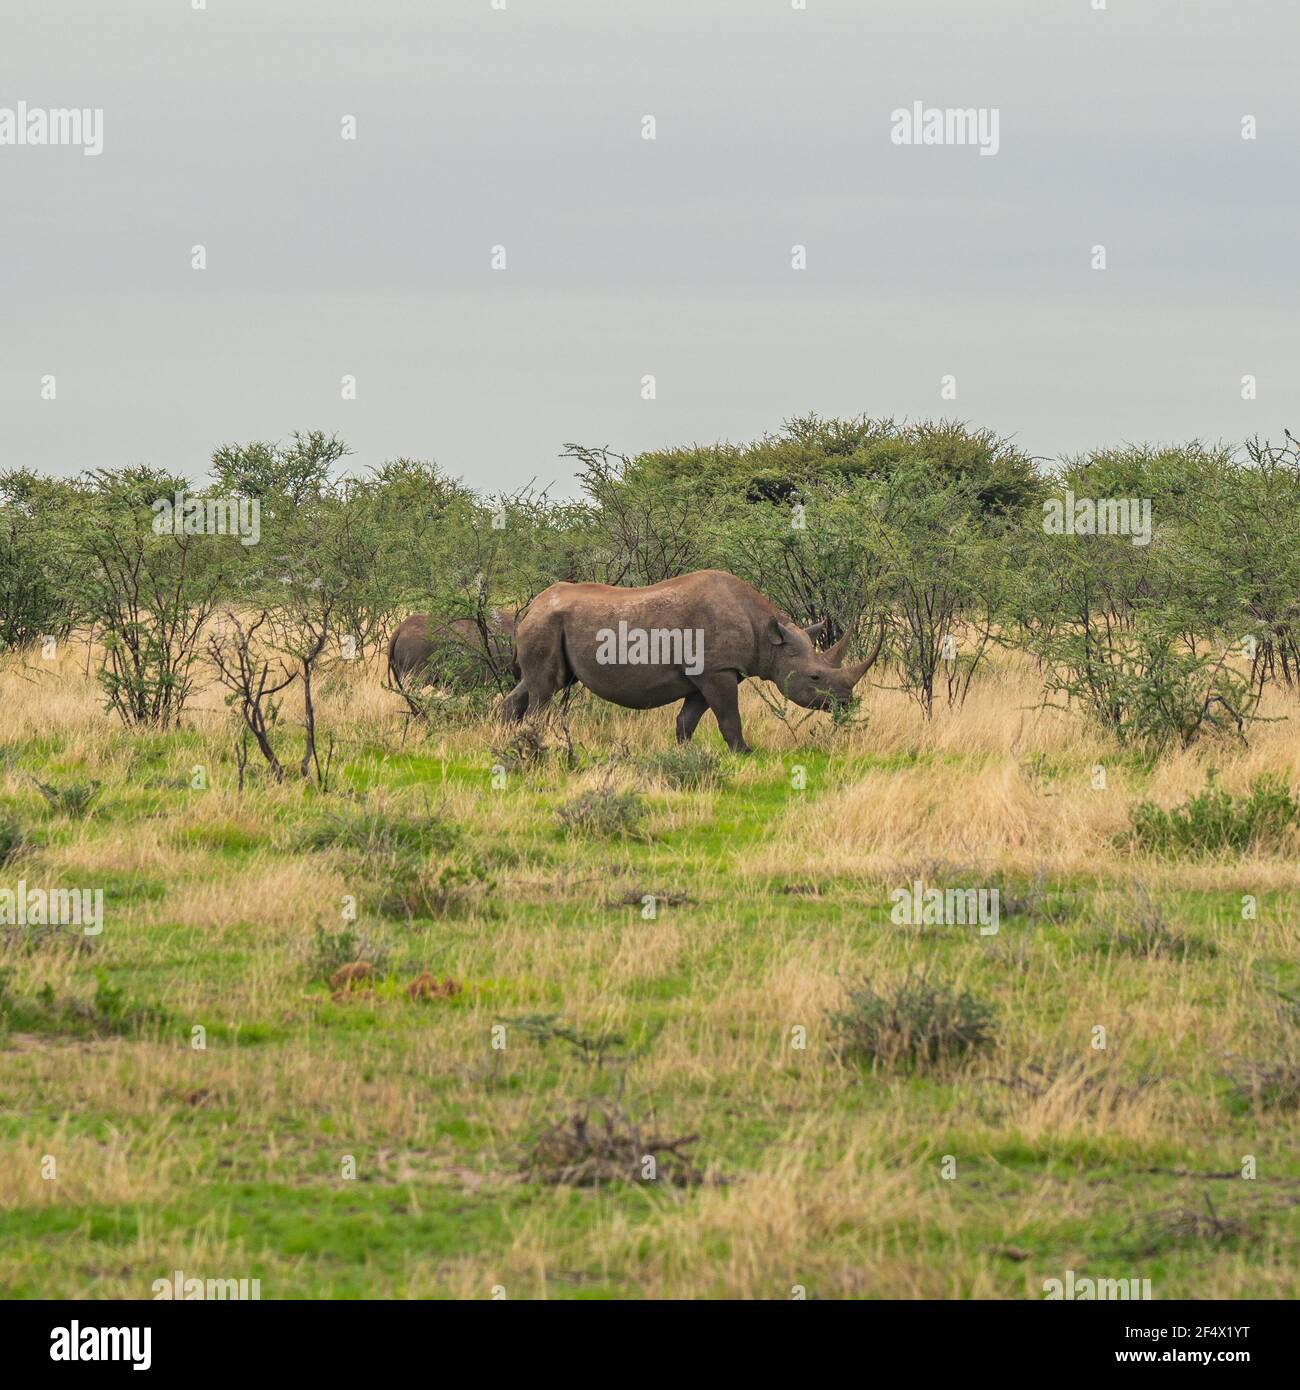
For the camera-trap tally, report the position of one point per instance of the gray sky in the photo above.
(522, 127)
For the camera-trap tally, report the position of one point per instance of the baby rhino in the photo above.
(693, 638)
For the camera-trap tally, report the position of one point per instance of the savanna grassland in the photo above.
(821, 1167)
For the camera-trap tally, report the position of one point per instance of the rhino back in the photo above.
(726, 612)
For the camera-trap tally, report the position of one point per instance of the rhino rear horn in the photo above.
(835, 652)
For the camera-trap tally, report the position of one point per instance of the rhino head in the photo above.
(811, 678)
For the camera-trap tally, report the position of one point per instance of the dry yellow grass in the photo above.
(229, 1161)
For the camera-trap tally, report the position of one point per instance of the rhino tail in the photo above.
(393, 673)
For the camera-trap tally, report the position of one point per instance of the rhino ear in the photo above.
(816, 630)
(776, 633)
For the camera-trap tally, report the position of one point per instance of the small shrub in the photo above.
(329, 952)
(688, 767)
(1213, 820)
(1146, 934)
(108, 1012)
(74, 801)
(29, 940)
(375, 833)
(603, 812)
(594, 1048)
(1268, 1085)
(1187, 1226)
(412, 862)
(446, 889)
(1273, 1084)
(1091, 1088)
(1152, 939)
(1035, 899)
(1146, 687)
(111, 1011)
(526, 749)
(13, 838)
(917, 1023)
(587, 1149)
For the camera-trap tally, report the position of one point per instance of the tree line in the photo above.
(1157, 588)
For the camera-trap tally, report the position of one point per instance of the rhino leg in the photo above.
(546, 673)
(515, 705)
(692, 711)
(720, 690)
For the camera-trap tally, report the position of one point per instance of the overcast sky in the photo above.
(522, 127)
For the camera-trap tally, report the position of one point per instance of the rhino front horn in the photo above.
(860, 670)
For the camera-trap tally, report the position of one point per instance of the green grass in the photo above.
(228, 1161)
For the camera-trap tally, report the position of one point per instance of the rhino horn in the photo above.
(835, 652)
(861, 669)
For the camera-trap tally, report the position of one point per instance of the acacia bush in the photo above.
(603, 811)
(916, 1023)
(148, 594)
(1173, 638)
(687, 767)
(1214, 821)
(42, 571)
(1147, 687)
(932, 532)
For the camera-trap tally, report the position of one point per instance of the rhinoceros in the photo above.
(412, 647)
(693, 638)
